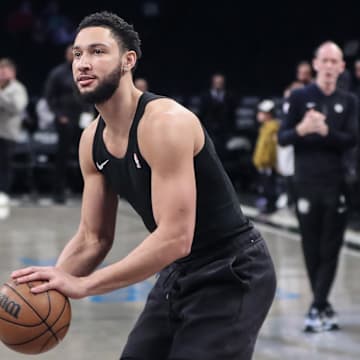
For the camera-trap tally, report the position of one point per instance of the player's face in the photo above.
(329, 63)
(96, 64)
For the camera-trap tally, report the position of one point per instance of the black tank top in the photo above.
(218, 213)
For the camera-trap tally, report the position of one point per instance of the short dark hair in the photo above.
(123, 32)
(303, 63)
(8, 63)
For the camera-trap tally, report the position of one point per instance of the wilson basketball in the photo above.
(32, 323)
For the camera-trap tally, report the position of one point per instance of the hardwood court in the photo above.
(36, 234)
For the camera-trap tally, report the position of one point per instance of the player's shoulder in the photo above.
(168, 123)
(88, 133)
(167, 113)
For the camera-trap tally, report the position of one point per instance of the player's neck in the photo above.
(327, 87)
(118, 112)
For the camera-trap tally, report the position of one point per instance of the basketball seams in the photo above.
(49, 308)
(27, 341)
(31, 307)
(19, 324)
(66, 303)
(50, 337)
(26, 302)
(61, 312)
(53, 325)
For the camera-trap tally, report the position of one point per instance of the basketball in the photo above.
(32, 323)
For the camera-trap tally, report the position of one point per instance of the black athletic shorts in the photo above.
(207, 308)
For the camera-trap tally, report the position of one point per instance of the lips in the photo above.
(85, 80)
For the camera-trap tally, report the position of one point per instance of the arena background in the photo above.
(256, 44)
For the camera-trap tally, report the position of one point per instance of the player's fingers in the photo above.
(29, 270)
(41, 288)
(37, 275)
(21, 272)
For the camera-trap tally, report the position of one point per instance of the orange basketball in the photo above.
(32, 323)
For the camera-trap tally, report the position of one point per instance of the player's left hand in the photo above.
(71, 286)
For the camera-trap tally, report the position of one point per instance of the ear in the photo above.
(129, 60)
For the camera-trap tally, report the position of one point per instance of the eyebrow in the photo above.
(76, 47)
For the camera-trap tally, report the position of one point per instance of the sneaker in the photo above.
(313, 321)
(330, 319)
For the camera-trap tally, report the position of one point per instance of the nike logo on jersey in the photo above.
(101, 166)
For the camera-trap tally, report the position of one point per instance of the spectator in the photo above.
(321, 123)
(65, 103)
(217, 112)
(13, 101)
(265, 155)
(142, 84)
(304, 76)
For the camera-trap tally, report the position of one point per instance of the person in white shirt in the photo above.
(13, 102)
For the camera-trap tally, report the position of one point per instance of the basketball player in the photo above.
(321, 123)
(217, 279)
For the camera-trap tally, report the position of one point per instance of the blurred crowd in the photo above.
(39, 133)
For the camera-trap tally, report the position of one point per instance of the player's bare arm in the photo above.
(95, 234)
(94, 237)
(168, 141)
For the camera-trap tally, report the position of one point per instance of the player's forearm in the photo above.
(147, 259)
(82, 255)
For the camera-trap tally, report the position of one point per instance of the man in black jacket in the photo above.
(64, 102)
(217, 112)
(321, 122)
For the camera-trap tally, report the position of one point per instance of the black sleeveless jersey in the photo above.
(218, 213)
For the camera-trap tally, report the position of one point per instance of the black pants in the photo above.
(69, 136)
(6, 171)
(268, 187)
(322, 215)
(208, 308)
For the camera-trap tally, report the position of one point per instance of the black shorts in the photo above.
(209, 308)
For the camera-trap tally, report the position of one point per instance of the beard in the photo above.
(105, 90)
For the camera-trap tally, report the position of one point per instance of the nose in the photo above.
(82, 64)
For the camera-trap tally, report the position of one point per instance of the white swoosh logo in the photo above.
(101, 166)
